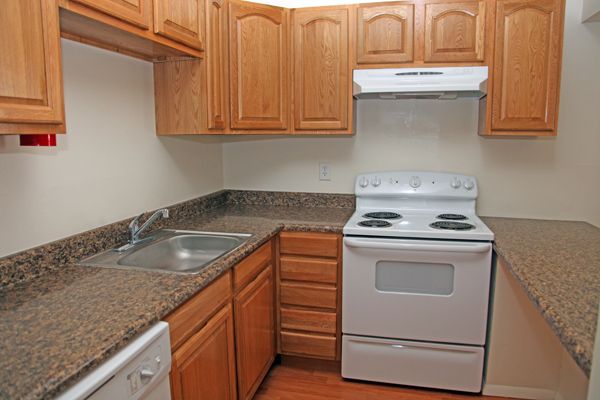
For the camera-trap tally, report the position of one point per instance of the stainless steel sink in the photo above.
(187, 252)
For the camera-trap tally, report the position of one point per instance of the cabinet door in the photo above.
(258, 66)
(136, 12)
(180, 20)
(204, 366)
(526, 65)
(255, 332)
(321, 69)
(385, 34)
(455, 32)
(30, 62)
(216, 64)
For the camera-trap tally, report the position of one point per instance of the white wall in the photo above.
(109, 166)
(542, 178)
(591, 11)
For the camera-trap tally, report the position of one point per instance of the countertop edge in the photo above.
(555, 325)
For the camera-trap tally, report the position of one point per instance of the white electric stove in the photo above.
(417, 264)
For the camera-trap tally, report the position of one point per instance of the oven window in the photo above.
(414, 277)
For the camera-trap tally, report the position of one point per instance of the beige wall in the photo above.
(109, 166)
(542, 178)
(525, 358)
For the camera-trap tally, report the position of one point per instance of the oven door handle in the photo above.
(410, 246)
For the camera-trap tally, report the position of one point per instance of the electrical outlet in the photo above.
(324, 172)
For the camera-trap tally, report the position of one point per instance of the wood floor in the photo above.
(302, 379)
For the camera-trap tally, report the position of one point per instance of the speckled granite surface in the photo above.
(68, 319)
(58, 320)
(31, 263)
(558, 265)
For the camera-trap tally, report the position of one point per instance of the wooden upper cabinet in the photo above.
(258, 66)
(217, 71)
(321, 69)
(526, 76)
(136, 12)
(385, 33)
(455, 32)
(30, 63)
(204, 366)
(180, 20)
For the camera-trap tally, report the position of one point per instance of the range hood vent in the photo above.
(420, 83)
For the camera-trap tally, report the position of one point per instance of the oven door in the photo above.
(416, 289)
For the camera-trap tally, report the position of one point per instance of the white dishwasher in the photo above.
(138, 371)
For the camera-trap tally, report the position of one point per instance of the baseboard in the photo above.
(518, 392)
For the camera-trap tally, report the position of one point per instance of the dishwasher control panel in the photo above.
(139, 370)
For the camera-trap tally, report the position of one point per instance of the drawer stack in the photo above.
(309, 294)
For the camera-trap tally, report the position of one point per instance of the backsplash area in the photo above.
(109, 165)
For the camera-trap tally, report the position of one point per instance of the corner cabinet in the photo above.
(526, 69)
(258, 57)
(180, 21)
(217, 60)
(322, 72)
(31, 91)
(135, 12)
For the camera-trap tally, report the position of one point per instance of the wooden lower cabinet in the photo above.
(204, 366)
(255, 332)
(309, 295)
(226, 356)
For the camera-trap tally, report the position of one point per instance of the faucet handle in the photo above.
(135, 223)
(165, 212)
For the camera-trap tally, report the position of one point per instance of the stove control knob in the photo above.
(469, 185)
(363, 182)
(375, 182)
(456, 183)
(414, 182)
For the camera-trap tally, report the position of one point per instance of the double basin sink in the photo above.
(166, 250)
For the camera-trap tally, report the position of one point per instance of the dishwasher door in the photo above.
(139, 371)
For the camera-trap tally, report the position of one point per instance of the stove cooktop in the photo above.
(417, 204)
(418, 224)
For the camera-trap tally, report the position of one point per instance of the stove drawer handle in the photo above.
(420, 346)
(454, 248)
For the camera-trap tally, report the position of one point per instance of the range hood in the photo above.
(428, 83)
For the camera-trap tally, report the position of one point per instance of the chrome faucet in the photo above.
(135, 230)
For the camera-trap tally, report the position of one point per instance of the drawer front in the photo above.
(309, 269)
(308, 345)
(404, 362)
(193, 314)
(308, 295)
(251, 266)
(308, 320)
(309, 244)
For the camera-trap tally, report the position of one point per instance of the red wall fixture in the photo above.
(38, 140)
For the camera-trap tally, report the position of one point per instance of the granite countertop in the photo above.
(59, 325)
(60, 320)
(558, 265)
